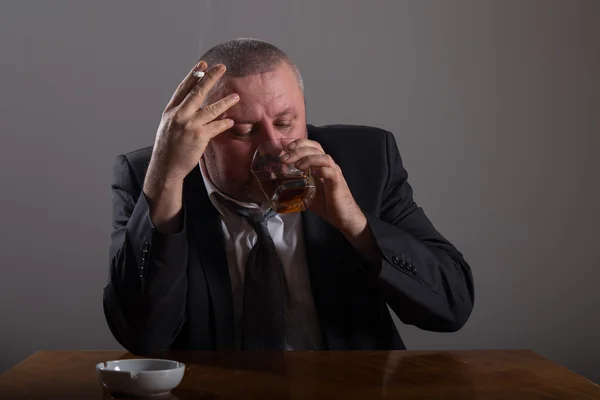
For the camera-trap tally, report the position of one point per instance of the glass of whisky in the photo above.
(287, 188)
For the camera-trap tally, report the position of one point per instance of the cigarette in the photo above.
(198, 74)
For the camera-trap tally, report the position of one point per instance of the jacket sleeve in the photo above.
(423, 277)
(144, 300)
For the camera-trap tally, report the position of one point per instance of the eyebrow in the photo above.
(285, 111)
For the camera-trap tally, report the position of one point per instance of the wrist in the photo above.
(361, 238)
(355, 225)
(158, 183)
(162, 187)
(164, 197)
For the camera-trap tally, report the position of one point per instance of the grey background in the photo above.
(495, 106)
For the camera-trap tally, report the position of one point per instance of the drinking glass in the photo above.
(287, 188)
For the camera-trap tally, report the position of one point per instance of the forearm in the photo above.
(425, 285)
(164, 195)
(361, 238)
(426, 282)
(422, 277)
(144, 301)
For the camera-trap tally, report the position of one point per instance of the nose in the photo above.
(269, 132)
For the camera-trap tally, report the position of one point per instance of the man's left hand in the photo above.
(333, 200)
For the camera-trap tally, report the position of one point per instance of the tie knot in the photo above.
(254, 217)
(260, 217)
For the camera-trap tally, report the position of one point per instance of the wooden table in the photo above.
(515, 375)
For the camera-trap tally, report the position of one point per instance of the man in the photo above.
(191, 269)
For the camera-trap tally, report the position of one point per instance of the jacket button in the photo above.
(395, 260)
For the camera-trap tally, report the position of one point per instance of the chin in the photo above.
(253, 196)
(252, 193)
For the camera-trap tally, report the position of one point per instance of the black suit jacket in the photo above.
(173, 291)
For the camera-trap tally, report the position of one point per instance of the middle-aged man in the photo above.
(197, 261)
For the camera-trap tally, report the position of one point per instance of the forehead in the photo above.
(267, 92)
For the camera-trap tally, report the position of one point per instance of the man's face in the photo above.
(271, 106)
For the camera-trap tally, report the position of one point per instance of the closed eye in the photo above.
(242, 131)
(283, 126)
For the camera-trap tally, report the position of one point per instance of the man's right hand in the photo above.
(183, 134)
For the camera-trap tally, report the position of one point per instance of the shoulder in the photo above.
(138, 159)
(133, 163)
(347, 132)
(352, 139)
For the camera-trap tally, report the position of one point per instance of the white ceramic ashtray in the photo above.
(140, 377)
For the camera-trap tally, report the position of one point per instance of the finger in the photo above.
(327, 173)
(198, 92)
(186, 85)
(214, 110)
(217, 127)
(315, 160)
(304, 143)
(298, 153)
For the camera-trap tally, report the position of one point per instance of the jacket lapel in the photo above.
(204, 224)
(323, 263)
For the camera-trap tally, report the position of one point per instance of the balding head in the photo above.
(245, 56)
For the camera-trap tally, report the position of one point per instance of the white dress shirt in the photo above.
(303, 332)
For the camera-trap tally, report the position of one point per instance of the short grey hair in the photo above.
(246, 56)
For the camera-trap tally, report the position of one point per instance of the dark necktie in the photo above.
(263, 314)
